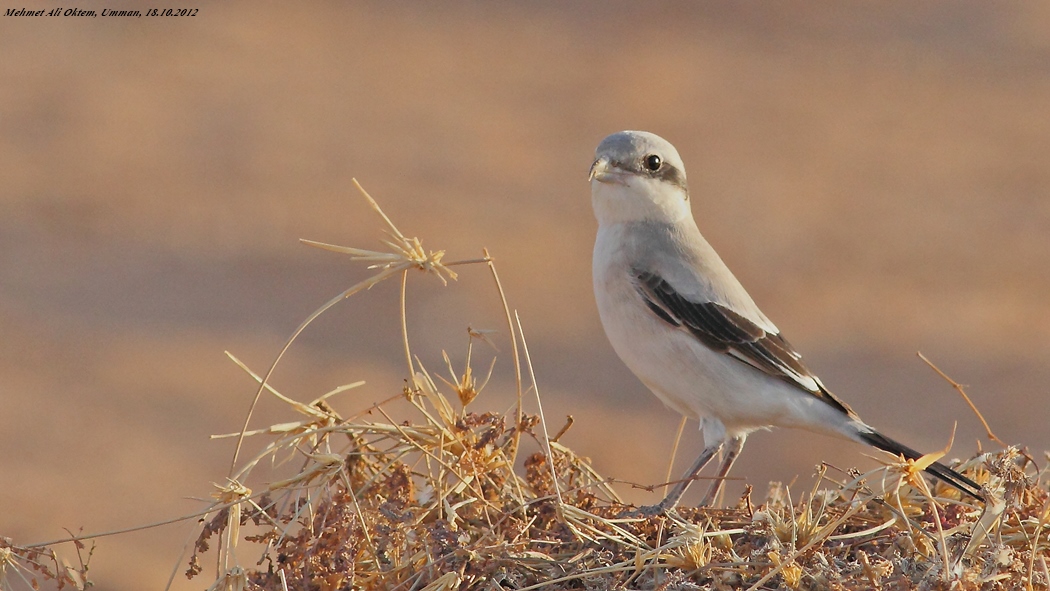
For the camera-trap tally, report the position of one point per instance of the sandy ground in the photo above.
(877, 177)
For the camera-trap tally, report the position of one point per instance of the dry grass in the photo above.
(434, 503)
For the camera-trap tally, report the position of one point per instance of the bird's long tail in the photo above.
(938, 469)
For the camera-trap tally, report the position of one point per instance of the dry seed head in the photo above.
(911, 471)
(465, 386)
(231, 493)
(406, 252)
(905, 500)
(792, 575)
(695, 553)
(796, 529)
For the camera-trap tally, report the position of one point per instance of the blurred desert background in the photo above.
(877, 175)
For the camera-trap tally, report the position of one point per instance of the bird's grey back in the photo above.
(684, 258)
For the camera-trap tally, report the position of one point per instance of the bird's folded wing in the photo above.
(720, 328)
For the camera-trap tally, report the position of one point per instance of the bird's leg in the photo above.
(671, 500)
(732, 451)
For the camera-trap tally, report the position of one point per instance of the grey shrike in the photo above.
(685, 326)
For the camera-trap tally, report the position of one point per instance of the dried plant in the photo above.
(434, 502)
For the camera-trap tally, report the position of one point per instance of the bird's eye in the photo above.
(653, 162)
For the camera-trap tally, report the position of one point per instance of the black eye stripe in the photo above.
(670, 174)
(667, 172)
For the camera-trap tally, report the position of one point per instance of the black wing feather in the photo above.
(726, 331)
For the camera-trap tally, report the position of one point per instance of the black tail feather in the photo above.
(960, 482)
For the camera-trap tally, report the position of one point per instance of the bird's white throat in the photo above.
(638, 199)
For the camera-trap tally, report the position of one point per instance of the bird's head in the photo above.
(638, 176)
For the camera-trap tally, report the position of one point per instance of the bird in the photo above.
(685, 326)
